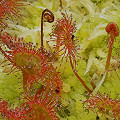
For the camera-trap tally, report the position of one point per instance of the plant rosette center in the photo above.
(41, 112)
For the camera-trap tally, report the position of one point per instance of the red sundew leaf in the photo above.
(3, 108)
(24, 56)
(9, 8)
(19, 113)
(51, 79)
(43, 105)
(31, 61)
(34, 108)
(63, 34)
(13, 7)
(104, 104)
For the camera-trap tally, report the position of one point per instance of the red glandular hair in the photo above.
(19, 113)
(43, 105)
(24, 56)
(63, 34)
(35, 108)
(9, 8)
(104, 104)
(31, 61)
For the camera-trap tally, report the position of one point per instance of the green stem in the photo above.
(100, 83)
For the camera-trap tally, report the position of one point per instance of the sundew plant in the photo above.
(59, 59)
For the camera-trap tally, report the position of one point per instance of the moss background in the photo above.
(91, 16)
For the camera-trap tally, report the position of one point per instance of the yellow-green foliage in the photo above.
(91, 17)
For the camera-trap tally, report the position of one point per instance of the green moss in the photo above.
(10, 86)
(91, 17)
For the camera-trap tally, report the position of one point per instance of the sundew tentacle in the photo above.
(34, 63)
(63, 34)
(33, 108)
(51, 79)
(9, 8)
(43, 105)
(104, 104)
(4, 108)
